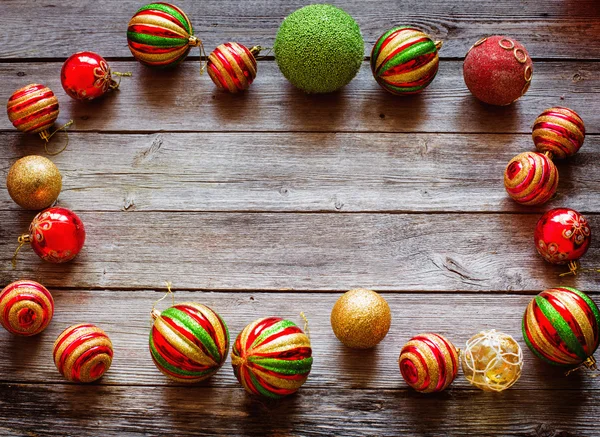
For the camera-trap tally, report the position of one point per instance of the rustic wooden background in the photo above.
(274, 202)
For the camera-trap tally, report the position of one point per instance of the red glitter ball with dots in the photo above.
(498, 70)
(86, 76)
(57, 235)
(562, 235)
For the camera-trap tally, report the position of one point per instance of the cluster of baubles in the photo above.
(531, 178)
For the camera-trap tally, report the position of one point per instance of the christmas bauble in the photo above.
(531, 178)
(562, 235)
(560, 326)
(26, 308)
(86, 76)
(498, 70)
(33, 109)
(559, 131)
(429, 363)
(56, 235)
(271, 357)
(232, 66)
(83, 353)
(160, 35)
(34, 182)
(405, 60)
(361, 318)
(492, 361)
(319, 48)
(189, 342)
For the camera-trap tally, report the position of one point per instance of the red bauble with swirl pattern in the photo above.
(56, 235)
(232, 66)
(33, 109)
(26, 308)
(562, 235)
(559, 131)
(531, 178)
(86, 76)
(429, 363)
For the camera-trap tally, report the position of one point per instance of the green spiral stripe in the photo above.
(534, 350)
(412, 52)
(283, 367)
(263, 391)
(167, 9)
(199, 332)
(589, 302)
(279, 326)
(382, 38)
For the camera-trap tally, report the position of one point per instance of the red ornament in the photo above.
(559, 131)
(56, 235)
(33, 109)
(232, 66)
(498, 70)
(26, 308)
(87, 76)
(531, 178)
(562, 235)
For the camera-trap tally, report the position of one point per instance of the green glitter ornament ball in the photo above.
(319, 48)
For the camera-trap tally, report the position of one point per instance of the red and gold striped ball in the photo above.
(32, 109)
(272, 357)
(160, 35)
(232, 67)
(405, 60)
(26, 308)
(559, 131)
(189, 342)
(429, 363)
(561, 326)
(531, 178)
(83, 353)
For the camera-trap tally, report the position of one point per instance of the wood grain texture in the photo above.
(552, 29)
(182, 100)
(125, 317)
(226, 251)
(286, 172)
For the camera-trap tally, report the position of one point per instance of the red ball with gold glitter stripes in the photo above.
(272, 357)
(232, 66)
(33, 109)
(559, 131)
(429, 363)
(531, 178)
(561, 326)
(83, 353)
(26, 308)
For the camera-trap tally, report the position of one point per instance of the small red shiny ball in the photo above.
(86, 76)
(56, 235)
(562, 235)
(498, 70)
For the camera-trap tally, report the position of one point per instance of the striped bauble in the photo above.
(429, 363)
(26, 308)
(83, 353)
(405, 60)
(33, 109)
(189, 342)
(560, 326)
(160, 35)
(272, 357)
(559, 131)
(531, 178)
(232, 66)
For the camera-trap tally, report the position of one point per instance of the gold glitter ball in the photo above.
(34, 182)
(492, 361)
(361, 318)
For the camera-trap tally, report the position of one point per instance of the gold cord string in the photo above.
(45, 135)
(23, 239)
(113, 83)
(194, 41)
(589, 363)
(306, 328)
(256, 50)
(575, 268)
(154, 313)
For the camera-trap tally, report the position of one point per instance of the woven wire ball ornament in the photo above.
(492, 361)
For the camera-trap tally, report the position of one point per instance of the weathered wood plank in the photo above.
(189, 102)
(42, 410)
(396, 252)
(290, 172)
(125, 316)
(550, 29)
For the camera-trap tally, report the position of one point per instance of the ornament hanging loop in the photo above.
(194, 41)
(113, 84)
(590, 364)
(46, 135)
(23, 239)
(154, 312)
(256, 50)
(306, 328)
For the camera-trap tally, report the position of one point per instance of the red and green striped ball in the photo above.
(26, 308)
(560, 326)
(189, 342)
(33, 108)
(232, 67)
(272, 357)
(405, 60)
(160, 35)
